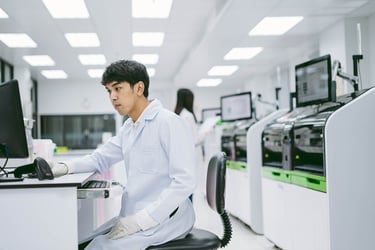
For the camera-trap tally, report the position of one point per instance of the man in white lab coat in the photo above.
(158, 153)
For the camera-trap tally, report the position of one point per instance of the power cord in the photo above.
(4, 151)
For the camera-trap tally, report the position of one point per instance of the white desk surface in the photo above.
(70, 180)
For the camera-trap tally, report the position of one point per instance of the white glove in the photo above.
(124, 226)
(58, 168)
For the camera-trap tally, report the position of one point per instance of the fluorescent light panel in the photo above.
(39, 60)
(54, 74)
(275, 26)
(3, 14)
(95, 73)
(151, 72)
(151, 8)
(209, 82)
(17, 40)
(82, 39)
(148, 39)
(222, 70)
(93, 59)
(67, 8)
(146, 58)
(245, 53)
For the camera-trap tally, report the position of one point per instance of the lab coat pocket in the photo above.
(146, 160)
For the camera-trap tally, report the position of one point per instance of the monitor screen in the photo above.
(314, 82)
(236, 107)
(210, 112)
(12, 128)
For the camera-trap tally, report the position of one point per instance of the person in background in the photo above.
(185, 109)
(158, 153)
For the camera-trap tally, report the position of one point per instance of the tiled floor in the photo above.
(243, 238)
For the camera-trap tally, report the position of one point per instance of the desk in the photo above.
(40, 215)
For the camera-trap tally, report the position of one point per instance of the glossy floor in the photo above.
(243, 238)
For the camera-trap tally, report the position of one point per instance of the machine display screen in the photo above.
(314, 82)
(210, 112)
(236, 107)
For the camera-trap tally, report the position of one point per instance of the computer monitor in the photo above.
(12, 128)
(210, 112)
(236, 107)
(314, 82)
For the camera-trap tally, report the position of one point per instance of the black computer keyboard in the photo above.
(97, 184)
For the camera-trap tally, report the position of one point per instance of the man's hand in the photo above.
(124, 226)
(58, 168)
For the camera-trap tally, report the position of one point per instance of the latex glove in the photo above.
(58, 168)
(123, 227)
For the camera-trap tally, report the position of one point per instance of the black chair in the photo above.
(215, 190)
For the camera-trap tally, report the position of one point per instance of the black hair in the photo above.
(129, 71)
(185, 99)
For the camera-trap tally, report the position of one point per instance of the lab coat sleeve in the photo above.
(177, 141)
(100, 160)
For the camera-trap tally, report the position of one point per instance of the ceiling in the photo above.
(198, 35)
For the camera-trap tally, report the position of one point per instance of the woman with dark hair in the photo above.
(184, 108)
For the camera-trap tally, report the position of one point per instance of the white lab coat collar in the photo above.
(149, 113)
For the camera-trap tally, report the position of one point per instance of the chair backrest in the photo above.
(215, 186)
(215, 192)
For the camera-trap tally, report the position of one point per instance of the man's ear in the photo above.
(140, 88)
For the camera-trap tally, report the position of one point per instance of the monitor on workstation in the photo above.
(236, 107)
(209, 112)
(13, 142)
(314, 82)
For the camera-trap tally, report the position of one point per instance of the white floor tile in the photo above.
(243, 238)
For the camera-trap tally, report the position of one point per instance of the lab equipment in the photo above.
(314, 83)
(236, 107)
(38, 169)
(209, 112)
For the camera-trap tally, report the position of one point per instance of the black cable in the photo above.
(4, 150)
(227, 235)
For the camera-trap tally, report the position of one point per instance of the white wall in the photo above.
(73, 98)
(23, 76)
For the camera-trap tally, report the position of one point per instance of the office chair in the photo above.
(215, 188)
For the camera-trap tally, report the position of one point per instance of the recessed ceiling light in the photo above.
(54, 74)
(148, 39)
(151, 72)
(93, 59)
(209, 82)
(275, 26)
(222, 70)
(39, 60)
(17, 40)
(95, 73)
(67, 8)
(3, 14)
(245, 53)
(151, 8)
(82, 39)
(146, 58)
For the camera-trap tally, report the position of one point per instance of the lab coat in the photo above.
(158, 154)
(188, 118)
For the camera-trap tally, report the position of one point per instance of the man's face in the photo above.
(122, 96)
